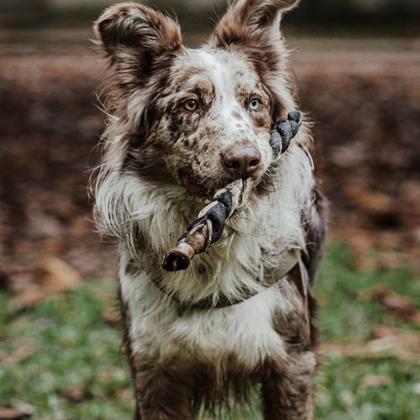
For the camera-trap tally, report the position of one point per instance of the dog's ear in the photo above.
(250, 18)
(136, 40)
(253, 27)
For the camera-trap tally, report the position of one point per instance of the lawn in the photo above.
(61, 359)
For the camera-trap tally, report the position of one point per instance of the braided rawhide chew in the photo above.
(283, 132)
(209, 225)
(207, 228)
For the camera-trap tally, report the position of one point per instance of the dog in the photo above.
(182, 123)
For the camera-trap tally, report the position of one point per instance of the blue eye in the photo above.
(254, 104)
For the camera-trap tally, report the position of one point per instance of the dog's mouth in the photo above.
(194, 184)
(198, 186)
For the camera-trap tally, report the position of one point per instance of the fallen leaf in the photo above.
(372, 202)
(53, 277)
(21, 353)
(30, 297)
(373, 381)
(57, 275)
(382, 331)
(11, 413)
(401, 306)
(402, 346)
(111, 315)
(74, 395)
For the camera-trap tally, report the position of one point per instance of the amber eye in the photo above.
(255, 104)
(190, 105)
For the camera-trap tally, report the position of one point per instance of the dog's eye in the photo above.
(255, 104)
(190, 105)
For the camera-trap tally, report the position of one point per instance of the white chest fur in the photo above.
(126, 205)
(157, 330)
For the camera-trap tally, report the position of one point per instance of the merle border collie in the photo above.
(174, 116)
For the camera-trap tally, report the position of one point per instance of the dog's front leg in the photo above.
(287, 388)
(159, 396)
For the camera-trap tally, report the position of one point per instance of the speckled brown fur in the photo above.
(287, 391)
(174, 151)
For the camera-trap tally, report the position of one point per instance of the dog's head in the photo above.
(198, 117)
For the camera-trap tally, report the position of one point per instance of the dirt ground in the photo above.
(363, 96)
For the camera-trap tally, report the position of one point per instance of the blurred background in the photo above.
(357, 64)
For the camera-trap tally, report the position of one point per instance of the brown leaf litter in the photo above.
(404, 346)
(51, 277)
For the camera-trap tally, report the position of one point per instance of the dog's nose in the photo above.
(241, 160)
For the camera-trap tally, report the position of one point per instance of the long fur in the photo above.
(144, 198)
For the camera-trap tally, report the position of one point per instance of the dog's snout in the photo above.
(241, 160)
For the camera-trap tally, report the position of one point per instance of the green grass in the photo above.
(347, 313)
(72, 346)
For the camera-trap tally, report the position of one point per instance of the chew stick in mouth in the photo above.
(207, 228)
(209, 225)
